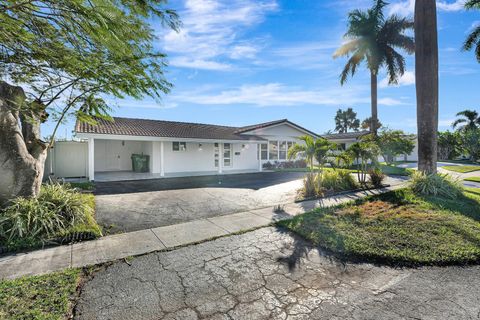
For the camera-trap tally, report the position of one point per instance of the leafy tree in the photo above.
(470, 120)
(312, 149)
(473, 39)
(375, 40)
(449, 145)
(471, 143)
(367, 124)
(345, 120)
(393, 143)
(364, 152)
(62, 58)
(426, 79)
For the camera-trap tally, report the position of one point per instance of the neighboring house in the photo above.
(183, 149)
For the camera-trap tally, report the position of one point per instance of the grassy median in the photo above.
(462, 169)
(398, 228)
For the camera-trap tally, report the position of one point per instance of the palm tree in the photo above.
(426, 77)
(473, 38)
(312, 149)
(345, 120)
(470, 120)
(374, 39)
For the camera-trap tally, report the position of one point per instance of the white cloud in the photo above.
(277, 94)
(445, 122)
(211, 31)
(407, 79)
(407, 7)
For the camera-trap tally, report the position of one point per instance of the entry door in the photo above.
(112, 153)
(227, 154)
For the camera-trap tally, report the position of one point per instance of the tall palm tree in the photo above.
(470, 120)
(345, 120)
(426, 76)
(473, 39)
(375, 39)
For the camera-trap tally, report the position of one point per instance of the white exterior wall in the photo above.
(67, 159)
(115, 155)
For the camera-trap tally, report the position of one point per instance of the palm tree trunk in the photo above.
(374, 96)
(426, 75)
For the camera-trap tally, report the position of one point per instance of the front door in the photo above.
(227, 154)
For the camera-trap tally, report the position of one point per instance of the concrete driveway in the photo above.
(137, 205)
(272, 274)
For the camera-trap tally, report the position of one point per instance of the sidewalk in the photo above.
(124, 245)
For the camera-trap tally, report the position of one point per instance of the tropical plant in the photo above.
(338, 180)
(346, 120)
(312, 149)
(376, 177)
(375, 39)
(310, 186)
(449, 145)
(442, 185)
(470, 120)
(341, 160)
(56, 209)
(393, 143)
(473, 39)
(68, 56)
(364, 153)
(367, 124)
(426, 79)
(471, 143)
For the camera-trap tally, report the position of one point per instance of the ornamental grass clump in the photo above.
(57, 209)
(441, 185)
(336, 180)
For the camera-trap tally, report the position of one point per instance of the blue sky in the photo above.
(239, 62)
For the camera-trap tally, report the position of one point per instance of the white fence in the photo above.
(67, 159)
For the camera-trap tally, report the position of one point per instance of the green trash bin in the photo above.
(140, 163)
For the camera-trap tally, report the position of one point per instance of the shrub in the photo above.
(310, 187)
(57, 211)
(442, 185)
(376, 177)
(336, 180)
(268, 166)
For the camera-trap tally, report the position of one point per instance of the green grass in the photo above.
(462, 169)
(45, 297)
(87, 185)
(473, 179)
(398, 228)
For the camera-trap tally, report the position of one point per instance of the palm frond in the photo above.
(347, 48)
(472, 4)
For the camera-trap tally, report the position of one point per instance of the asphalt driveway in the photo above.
(272, 274)
(136, 205)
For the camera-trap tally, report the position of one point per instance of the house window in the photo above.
(264, 152)
(227, 154)
(273, 150)
(179, 146)
(283, 150)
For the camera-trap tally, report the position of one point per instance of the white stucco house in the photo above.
(183, 149)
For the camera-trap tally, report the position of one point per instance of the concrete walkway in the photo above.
(121, 246)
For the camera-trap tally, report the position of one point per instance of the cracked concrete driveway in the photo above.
(143, 204)
(271, 274)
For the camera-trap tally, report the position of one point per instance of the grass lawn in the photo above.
(398, 228)
(462, 169)
(87, 185)
(473, 179)
(48, 296)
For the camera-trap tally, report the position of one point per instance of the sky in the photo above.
(240, 62)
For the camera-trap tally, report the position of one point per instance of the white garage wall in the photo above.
(115, 155)
(67, 159)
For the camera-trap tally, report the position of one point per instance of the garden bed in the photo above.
(339, 193)
(398, 228)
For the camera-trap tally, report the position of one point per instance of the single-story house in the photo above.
(183, 149)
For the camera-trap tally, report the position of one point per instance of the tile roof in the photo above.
(346, 135)
(165, 129)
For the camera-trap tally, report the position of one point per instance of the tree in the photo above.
(62, 58)
(470, 120)
(473, 39)
(375, 39)
(324, 151)
(471, 143)
(449, 145)
(426, 76)
(345, 120)
(311, 149)
(364, 152)
(367, 124)
(393, 143)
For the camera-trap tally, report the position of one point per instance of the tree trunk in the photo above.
(22, 152)
(426, 75)
(374, 94)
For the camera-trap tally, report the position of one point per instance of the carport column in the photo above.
(162, 162)
(259, 151)
(91, 159)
